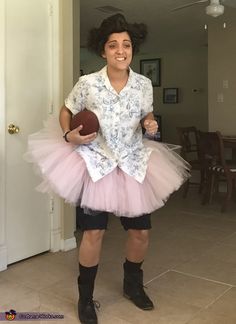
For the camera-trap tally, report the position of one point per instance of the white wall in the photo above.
(76, 40)
(222, 66)
(90, 62)
(68, 71)
(186, 70)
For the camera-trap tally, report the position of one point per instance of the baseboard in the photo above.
(55, 240)
(3, 258)
(69, 244)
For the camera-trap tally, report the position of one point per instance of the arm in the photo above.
(65, 118)
(149, 123)
(73, 136)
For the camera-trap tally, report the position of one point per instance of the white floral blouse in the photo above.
(119, 141)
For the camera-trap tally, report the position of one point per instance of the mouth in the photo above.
(120, 59)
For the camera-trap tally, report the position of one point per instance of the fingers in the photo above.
(77, 139)
(79, 128)
(146, 123)
(151, 126)
(88, 138)
(85, 139)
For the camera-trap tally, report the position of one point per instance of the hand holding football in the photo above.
(89, 121)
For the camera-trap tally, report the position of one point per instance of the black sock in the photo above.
(87, 274)
(132, 267)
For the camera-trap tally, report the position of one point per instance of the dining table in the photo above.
(229, 140)
(230, 143)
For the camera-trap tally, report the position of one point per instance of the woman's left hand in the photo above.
(151, 126)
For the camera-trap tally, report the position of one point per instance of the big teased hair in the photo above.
(116, 24)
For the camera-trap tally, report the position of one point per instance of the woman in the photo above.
(114, 171)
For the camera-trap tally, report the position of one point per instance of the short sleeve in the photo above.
(147, 105)
(75, 100)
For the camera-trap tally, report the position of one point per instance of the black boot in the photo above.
(133, 290)
(86, 305)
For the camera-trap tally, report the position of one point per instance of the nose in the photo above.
(120, 49)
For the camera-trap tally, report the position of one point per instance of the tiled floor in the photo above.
(190, 272)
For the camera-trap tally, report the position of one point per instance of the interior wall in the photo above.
(71, 73)
(76, 40)
(68, 71)
(222, 73)
(183, 69)
(90, 62)
(186, 70)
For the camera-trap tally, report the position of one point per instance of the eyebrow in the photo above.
(115, 41)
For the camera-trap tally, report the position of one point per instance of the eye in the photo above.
(112, 46)
(127, 45)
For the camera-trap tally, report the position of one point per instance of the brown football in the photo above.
(86, 118)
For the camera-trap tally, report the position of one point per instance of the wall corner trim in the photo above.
(69, 244)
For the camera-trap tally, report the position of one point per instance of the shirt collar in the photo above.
(103, 73)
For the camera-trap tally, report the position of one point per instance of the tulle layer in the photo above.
(64, 172)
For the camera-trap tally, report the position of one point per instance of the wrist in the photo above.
(65, 136)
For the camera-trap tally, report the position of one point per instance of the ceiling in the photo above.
(166, 28)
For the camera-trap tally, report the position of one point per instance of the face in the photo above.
(118, 51)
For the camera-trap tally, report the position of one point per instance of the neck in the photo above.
(117, 75)
(118, 79)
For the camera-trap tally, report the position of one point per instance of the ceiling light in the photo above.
(215, 9)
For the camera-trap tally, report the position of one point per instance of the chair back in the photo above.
(215, 166)
(188, 137)
(211, 149)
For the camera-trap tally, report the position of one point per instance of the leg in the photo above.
(93, 228)
(136, 247)
(90, 247)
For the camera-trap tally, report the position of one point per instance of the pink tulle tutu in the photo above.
(64, 172)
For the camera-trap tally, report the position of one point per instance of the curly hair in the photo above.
(116, 24)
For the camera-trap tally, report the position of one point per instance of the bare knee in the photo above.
(139, 236)
(93, 236)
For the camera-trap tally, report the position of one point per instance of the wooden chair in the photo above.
(217, 168)
(188, 137)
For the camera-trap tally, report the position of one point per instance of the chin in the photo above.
(122, 67)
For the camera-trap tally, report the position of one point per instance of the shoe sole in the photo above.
(86, 322)
(129, 298)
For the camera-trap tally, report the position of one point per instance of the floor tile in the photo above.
(221, 311)
(230, 240)
(58, 305)
(210, 268)
(26, 302)
(211, 318)
(31, 273)
(187, 289)
(66, 289)
(168, 310)
(225, 306)
(12, 291)
(222, 252)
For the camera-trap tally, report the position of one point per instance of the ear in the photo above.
(103, 55)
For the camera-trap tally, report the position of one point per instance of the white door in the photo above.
(27, 101)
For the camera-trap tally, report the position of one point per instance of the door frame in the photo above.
(3, 248)
(56, 70)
